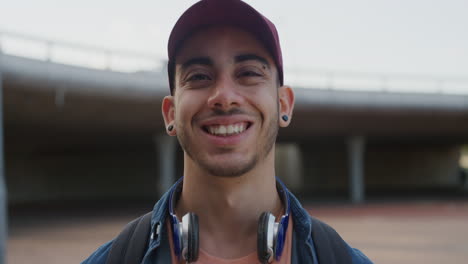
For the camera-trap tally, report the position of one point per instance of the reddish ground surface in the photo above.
(416, 232)
(430, 232)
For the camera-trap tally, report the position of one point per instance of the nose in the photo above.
(224, 94)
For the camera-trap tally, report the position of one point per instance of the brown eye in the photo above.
(249, 74)
(199, 77)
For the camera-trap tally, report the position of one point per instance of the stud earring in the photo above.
(285, 118)
(170, 128)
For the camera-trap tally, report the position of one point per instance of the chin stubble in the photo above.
(234, 171)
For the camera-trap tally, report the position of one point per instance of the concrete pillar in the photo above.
(166, 148)
(3, 189)
(356, 146)
(463, 163)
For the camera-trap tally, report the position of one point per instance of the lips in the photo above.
(226, 130)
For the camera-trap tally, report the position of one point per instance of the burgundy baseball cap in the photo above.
(224, 12)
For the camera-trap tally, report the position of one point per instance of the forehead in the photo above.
(221, 42)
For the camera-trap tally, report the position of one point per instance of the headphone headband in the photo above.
(176, 231)
(276, 233)
(284, 222)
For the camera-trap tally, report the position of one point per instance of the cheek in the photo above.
(264, 99)
(265, 105)
(187, 105)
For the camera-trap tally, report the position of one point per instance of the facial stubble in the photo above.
(221, 170)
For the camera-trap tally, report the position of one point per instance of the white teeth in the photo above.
(221, 130)
(227, 130)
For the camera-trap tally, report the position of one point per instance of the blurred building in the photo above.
(84, 133)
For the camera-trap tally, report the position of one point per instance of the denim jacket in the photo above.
(303, 250)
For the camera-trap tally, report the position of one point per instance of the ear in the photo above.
(168, 112)
(286, 105)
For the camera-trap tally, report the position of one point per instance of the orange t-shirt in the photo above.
(252, 258)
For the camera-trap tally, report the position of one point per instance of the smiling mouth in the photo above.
(227, 130)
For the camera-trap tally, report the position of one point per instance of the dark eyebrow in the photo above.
(246, 57)
(197, 60)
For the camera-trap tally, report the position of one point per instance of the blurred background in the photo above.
(376, 148)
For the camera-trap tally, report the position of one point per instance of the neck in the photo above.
(229, 207)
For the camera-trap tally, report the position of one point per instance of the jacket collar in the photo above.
(301, 219)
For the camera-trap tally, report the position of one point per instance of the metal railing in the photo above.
(77, 54)
(363, 81)
(120, 60)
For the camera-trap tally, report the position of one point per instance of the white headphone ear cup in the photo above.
(264, 251)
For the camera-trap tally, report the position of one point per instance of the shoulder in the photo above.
(358, 257)
(157, 215)
(100, 255)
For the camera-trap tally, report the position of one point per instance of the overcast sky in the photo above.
(382, 36)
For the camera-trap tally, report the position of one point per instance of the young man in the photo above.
(226, 105)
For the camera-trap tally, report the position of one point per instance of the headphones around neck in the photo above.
(271, 235)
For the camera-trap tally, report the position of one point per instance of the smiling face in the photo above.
(227, 103)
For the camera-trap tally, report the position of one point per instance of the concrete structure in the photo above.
(75, 133)
(80, 133)
(3, 194)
